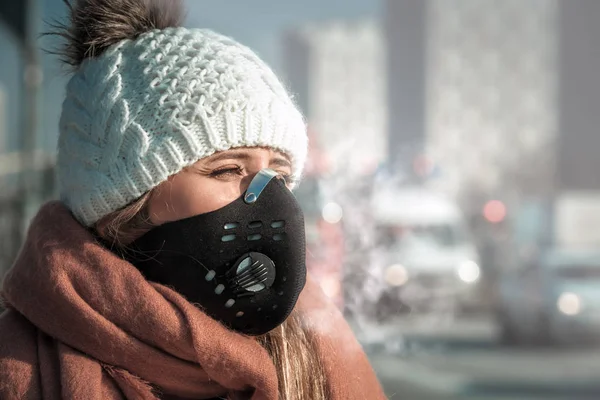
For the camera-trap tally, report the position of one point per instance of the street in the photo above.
(425, 359)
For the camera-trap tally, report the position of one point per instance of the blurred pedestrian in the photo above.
(173, 266)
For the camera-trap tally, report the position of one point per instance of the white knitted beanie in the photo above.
(147, 108)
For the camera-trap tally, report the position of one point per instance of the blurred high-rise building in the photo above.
(579, 98)
(577, 200)
(510, 105)
(405, 29)
(337, 72)
(491, 102)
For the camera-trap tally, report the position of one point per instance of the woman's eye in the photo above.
(227, 171)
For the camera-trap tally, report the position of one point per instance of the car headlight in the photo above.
(569, 303)
(396, 275)
(468, 271)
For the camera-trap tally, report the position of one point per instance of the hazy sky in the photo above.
(256, 23)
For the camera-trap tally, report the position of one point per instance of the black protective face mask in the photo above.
(244, 264)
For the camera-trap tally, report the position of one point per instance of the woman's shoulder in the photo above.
(18, 357)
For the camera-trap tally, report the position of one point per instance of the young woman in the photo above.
(173, 266)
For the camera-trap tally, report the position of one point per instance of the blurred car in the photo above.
(427, 257)
(554, 299)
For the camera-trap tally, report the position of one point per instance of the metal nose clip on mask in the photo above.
(243, 264)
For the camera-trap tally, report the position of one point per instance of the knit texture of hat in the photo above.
(147, 108)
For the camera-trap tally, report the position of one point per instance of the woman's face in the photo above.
(213, 182)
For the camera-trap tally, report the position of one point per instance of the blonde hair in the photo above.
(300, 373)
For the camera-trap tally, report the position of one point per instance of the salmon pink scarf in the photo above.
(83, 323)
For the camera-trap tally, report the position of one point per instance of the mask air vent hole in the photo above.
(231, 225)
(219, 289)
(254, 224)
(228, 238)
(275, 307)
(278, 237)
(230, 303)
(239, 314)
(254, 237)
(277, 224)
(211, 274)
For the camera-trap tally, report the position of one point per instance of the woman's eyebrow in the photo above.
(279, 161)
(230, 155)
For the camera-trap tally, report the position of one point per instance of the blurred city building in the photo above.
(579, 100)
(405, 24)
(492, 102)
(511, 88)
(577, 200)
(337, 71)
(491, 109)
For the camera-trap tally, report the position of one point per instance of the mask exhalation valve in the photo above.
(252, 273)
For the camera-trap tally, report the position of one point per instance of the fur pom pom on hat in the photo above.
(149, 98)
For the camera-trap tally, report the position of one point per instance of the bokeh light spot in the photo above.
(569, 304)
(494, 211)
(332, 213)
(396, 275)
